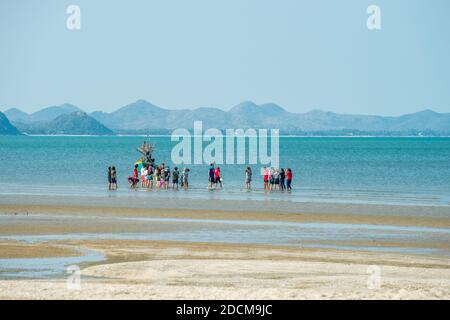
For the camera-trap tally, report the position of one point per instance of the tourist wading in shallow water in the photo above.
(248, 178)
(109, 179)
(112, 178)
(175, 177)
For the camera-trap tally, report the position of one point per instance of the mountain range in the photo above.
(46, 114)
(74, 123)
(142, 116)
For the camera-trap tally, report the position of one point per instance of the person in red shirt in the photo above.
(289, 178)
(217, 177)
(134, 179)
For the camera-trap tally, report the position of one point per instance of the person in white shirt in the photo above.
(143, 177)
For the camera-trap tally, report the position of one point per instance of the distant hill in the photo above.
(46, 114)
(17, 115)
(76, 123)
(142, 116)
(6, 128)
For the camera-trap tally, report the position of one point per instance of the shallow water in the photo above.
(254, 232)
(45, 267)
(412, 171)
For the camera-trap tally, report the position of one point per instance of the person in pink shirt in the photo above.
(266, 178)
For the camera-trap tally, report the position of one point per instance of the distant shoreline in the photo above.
(281, 136)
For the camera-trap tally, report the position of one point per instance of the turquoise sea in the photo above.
(358, 170)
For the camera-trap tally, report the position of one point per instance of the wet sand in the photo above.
(19, 250)
(150, 200)
(154, 269)
(374, 215)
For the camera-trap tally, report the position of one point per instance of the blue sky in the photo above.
(300, 54)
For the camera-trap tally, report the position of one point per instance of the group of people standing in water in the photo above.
(274, 179)
(161, 177)
(277, 179)
(214, 177)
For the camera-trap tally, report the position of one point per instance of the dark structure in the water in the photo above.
(146, 149)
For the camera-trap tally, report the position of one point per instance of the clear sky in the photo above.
(303, 55)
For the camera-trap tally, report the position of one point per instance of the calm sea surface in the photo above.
(360, 170)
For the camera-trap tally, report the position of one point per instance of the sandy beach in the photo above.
(158, 270)
(160, 253)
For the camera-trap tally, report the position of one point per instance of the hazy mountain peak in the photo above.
(142, 102)
(139, 101)
(424, 114)
(245, 106)
(50, 113)
(46, 114)
(427, 112)
(206, 109)
(64, 106)
(140, 105)
(272, 109)
(17, 115)
(16, 110)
